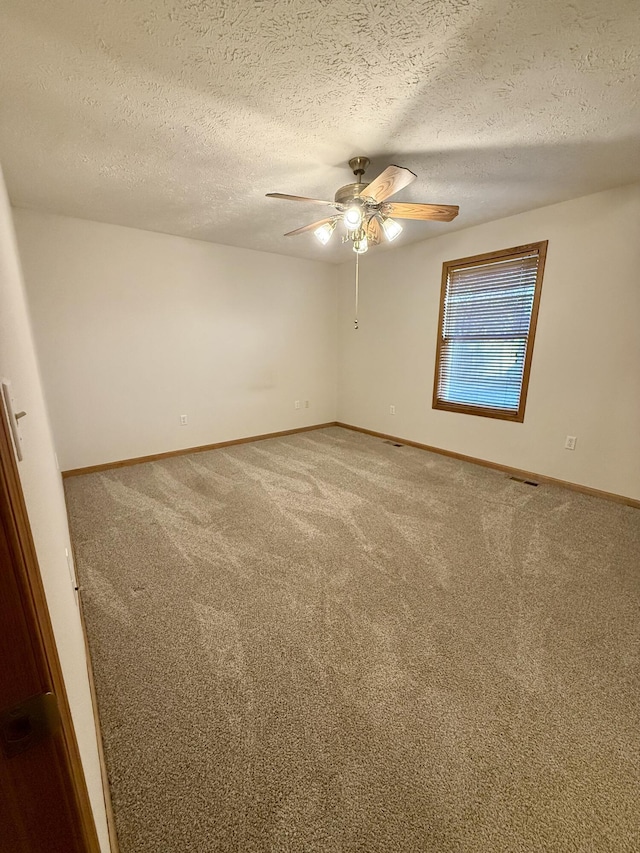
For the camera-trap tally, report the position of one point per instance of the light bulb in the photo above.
(353, 218)
(324, 232)
(360, 246)
(391, 229)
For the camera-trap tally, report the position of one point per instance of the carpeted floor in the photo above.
(325, 643)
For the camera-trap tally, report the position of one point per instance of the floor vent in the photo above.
(393, 443)
(526, 482)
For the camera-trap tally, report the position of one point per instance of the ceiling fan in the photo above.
(363, 209)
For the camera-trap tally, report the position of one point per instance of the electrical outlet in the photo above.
(296, 405)
(392, 410)
(306, 404)
(570, 442)
(183, 420)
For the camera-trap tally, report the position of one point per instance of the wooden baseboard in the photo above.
(139, 460)
(486, 463)
(516, 472)
(106, 792)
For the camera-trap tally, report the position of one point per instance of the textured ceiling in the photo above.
(179, 116)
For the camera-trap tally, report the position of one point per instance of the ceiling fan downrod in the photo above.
(358, 166)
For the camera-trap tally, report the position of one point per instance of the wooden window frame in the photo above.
(475, 260)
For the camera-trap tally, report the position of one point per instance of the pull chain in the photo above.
(355, 325)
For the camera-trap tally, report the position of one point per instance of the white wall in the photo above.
(135, 328)
(585, 376)
(42, 487)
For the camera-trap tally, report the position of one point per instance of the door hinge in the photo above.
(28, 722)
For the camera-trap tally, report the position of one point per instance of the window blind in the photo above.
(486, 318)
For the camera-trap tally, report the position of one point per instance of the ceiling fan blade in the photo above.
(392, 180)
(298, 198)
(439, 212)
(311, 227)
(374, 231)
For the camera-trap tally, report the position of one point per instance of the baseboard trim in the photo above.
(154, 457)
(518, 472)
(486, 463)
(106, 791)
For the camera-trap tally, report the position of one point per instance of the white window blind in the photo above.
(484, 336)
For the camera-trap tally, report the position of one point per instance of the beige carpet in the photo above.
(325, 643)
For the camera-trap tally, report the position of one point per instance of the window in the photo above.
(488, 312)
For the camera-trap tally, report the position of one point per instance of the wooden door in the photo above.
(44, 804)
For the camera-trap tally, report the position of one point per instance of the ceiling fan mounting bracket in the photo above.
(358, 165)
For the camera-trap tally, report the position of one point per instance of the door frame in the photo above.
(15, 528)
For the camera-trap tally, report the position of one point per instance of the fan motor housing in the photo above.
(349, 192)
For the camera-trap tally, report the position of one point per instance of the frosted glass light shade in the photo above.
(324, 232)
(391, 229)
(353, 218)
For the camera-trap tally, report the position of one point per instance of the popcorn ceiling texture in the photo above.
(180, 116)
